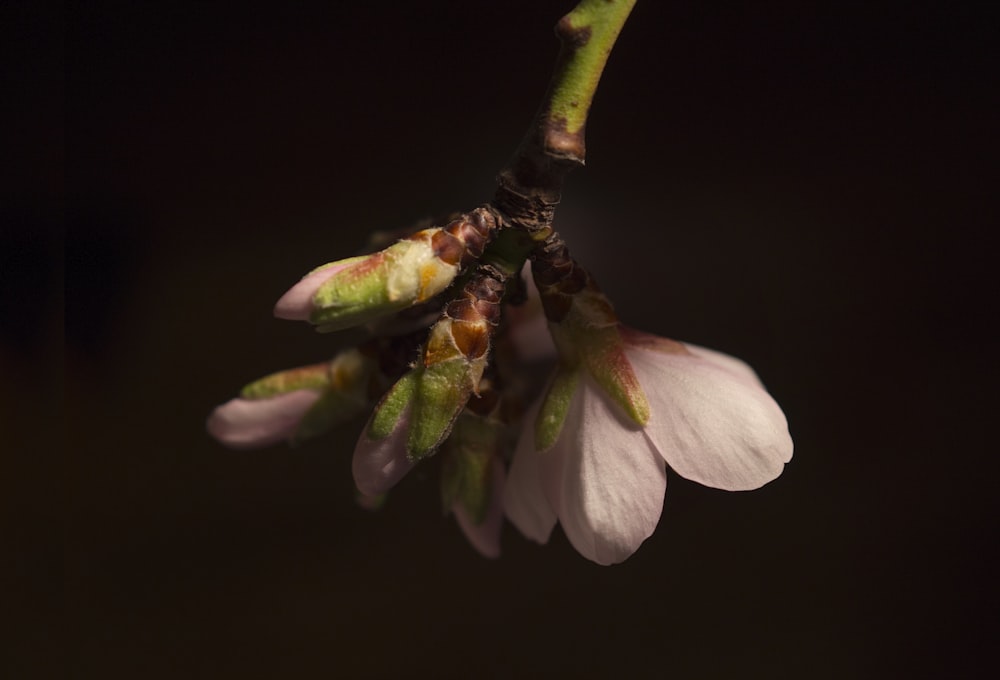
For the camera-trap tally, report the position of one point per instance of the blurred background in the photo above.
(807, 186)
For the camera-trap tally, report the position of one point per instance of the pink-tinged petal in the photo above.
(379, 464)
(297, 303)
(485, 537)
(737, 367)
(252, 423)
(604, 477)
(655, 343)
(710, 422)
(524, 500)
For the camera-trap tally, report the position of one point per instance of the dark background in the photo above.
(805, 185)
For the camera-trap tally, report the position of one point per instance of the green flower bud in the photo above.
(356, 290)
(295, 405)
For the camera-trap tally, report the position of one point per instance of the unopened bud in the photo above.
(418, 412)
(296, 404)
(380, 459)
(454, 358)
(353, 291)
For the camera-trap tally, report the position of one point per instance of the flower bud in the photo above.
(356, 290)
(418, 412)
(380, 457)
(294, 405)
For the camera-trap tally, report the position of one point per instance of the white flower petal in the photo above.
(379, 464)
(737, 367)
(710, 422)
(485, 537)
(655, 343)
(524, 500)
(252, 423)
(604, 477)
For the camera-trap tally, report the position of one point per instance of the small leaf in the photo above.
(393, 404)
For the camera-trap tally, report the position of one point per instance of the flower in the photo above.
(603, 477)
(592, 453)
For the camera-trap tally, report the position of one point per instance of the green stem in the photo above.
(531, 184)
(587, 33)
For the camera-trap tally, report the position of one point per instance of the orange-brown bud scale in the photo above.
(462, 309)
(471, 318)
(485, 291)
(471, 338)
(477, 231)
(464, 239)
(440, 344)
(448, 247)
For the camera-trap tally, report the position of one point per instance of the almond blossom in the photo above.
(604, 477)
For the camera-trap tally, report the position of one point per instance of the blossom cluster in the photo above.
(542, 406)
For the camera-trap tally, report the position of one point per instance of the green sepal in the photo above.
(403, 274)
(555, 406)
(442, 391)
(354, 295)
(393, 404)
(604, 355)
(315, 377)
(345, 262)
(589, 334)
